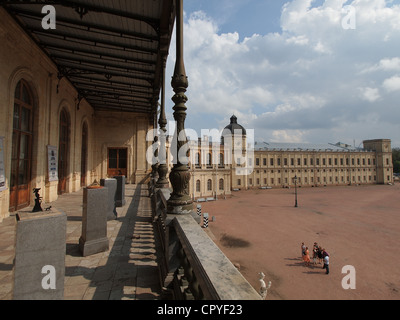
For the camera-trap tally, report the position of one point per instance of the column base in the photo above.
(89, 248)
(179, 207)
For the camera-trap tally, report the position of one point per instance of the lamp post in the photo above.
(295, 191)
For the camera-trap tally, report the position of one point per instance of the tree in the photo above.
(396, 160)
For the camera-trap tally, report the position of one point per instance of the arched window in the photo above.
(21, 156)
(209, 185)
(198, 186)
(221, 184)
(209, 159)
(221, 159)
(63, 152)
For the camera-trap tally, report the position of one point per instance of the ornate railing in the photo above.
(192, 267)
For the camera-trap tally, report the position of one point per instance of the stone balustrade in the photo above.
(192, 267)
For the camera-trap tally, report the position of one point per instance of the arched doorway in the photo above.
(21, 156)
(63, 153)
(84, 154)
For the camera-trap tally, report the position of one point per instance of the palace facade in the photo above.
(217, 172)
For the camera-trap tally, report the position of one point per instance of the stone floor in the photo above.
(128, 271)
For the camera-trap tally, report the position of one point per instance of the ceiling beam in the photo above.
(119, 100)
(113, 95)
(113, 90)
(36, 15)
(78, 69)
(72, 49)
(64, 35)
(99, 103)
(75, 4)
(99, 62)
(110, 82)
(122, 109)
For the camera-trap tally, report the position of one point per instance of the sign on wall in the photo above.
(2, 170)
(53, 163)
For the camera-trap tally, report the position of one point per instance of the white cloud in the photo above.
(370, 94)
(390, 64)
(387, 64)
(308, 82)
(392, 84)
(287, 136)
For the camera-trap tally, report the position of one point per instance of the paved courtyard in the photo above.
(262, 231)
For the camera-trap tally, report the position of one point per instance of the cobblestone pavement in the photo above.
(128, 271)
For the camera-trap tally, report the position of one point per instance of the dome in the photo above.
(234, 127)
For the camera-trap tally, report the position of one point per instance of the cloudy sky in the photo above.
(294, 70)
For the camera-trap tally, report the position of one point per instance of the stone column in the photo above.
(120, 194)
(111, 185)
(40, 255)
(180, 201)
(94, 222)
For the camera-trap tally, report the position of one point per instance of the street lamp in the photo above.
(295, 191)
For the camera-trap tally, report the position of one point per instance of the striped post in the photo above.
(199, 210)
(205, 220)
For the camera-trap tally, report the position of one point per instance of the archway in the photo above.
(63, 153)
(22, 140)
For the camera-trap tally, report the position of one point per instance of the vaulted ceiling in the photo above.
(110, 50)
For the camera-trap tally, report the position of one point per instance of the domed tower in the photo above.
(235, 128)
(234, 139)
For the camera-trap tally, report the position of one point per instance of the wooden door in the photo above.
(63, 154)
(117, 162)
(21, 158)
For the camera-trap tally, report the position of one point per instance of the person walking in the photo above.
(326, 264)
(306, 257)
(315, 253)
(303, 250)
(319, 254)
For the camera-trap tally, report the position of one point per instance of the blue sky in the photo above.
(244, 16)
(294, 70)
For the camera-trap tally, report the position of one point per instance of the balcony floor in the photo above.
(128, 271)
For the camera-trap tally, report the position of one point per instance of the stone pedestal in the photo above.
(40, 255)
(120, 194)
(94, 222)
(111, 185)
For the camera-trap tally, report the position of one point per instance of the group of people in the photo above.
(319, 254)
